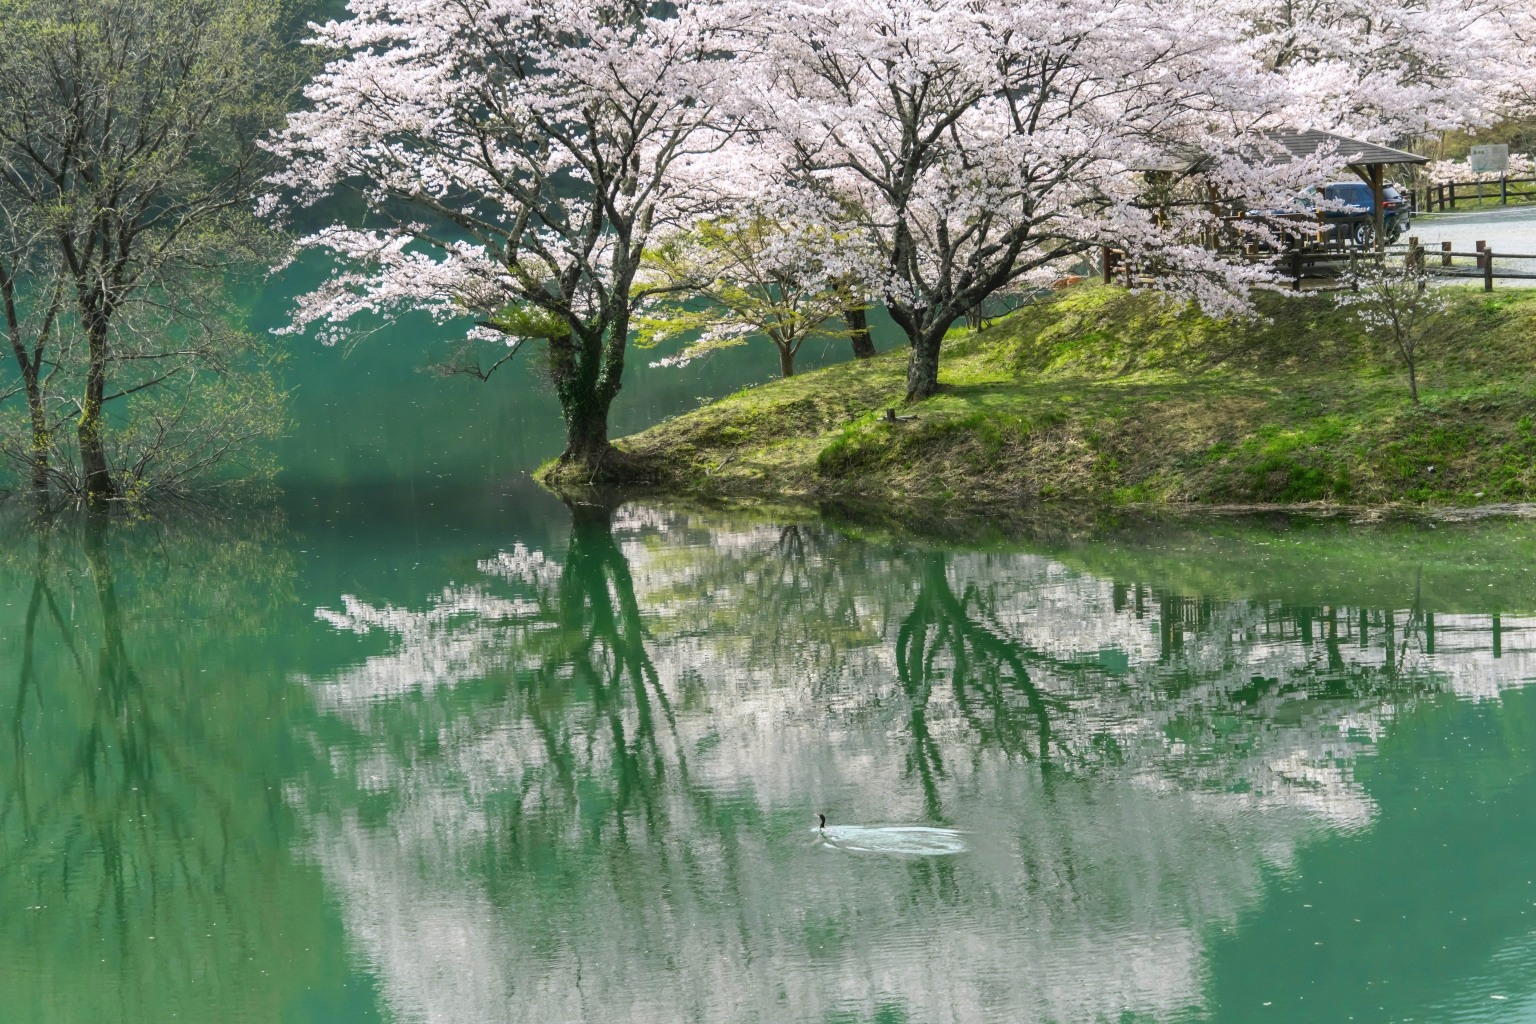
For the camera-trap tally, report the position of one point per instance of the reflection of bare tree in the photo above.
(121, 812)
(41, 595)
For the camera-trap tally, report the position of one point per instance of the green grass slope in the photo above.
(1099, 395)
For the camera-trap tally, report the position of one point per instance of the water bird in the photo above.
(911, 840)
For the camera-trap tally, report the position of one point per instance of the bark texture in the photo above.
(93, 451)
(786, 361)
(923, 366)
(857, 320)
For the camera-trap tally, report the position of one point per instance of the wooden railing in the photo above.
(1483, 266)
(1306, 261)
(1436, 198)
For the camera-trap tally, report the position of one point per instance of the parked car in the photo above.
(1354, 219)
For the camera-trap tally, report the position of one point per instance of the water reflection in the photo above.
(141, 811)
(576, 785)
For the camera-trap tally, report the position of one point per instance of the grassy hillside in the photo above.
(1099, 395)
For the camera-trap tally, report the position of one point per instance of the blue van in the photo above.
(1356, 219)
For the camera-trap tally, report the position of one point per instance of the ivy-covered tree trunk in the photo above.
(588, 367)
(91, 431)
(586, 435)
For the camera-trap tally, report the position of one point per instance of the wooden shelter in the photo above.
(1366, 159)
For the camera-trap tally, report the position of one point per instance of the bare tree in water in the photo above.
(128, 169)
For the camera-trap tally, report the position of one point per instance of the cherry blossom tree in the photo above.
(758, 272)
(1383, 70)
(979, 143)
(517, 156)
(1396, 305)
(1441, 172)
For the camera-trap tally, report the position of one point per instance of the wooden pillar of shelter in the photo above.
(1374, 175)
(1214, 209)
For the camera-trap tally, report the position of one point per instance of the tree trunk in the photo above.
(1413, 382)
(40, 438)
(93, 450)
(923, 366)
(30, 378)
(586, 434)
(786, 361)
(857, 320)
(587, 368)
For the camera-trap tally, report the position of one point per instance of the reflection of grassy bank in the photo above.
(1483, 565)
(1477, 567)
(1100, 395)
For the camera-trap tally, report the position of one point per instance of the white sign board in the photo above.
(1489, 159)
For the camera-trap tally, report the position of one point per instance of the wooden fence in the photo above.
(1435, 198)
(1321, 262)
(1454, 264)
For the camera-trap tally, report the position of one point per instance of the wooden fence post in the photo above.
(1107, 269)
(1503, 192)
(1445, 254)
(1415, 250)
(1480, 246)
(1452, 187)
(1487, 270)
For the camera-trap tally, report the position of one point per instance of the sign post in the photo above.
(1490, 159)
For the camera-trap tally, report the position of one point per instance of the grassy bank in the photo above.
(1098, 395)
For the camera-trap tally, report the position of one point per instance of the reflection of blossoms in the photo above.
(606, 819)
(457, 638)
(520, 565)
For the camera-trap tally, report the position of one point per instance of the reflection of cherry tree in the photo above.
(992, 687)
(595, 766)
(600, 641)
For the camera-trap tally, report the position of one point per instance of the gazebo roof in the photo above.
(1293, 145)
(1300, 145)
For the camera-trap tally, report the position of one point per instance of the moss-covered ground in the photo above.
(1100, 395)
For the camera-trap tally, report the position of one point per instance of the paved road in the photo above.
(1505, 229)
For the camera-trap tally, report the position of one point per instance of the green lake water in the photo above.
(420, 743)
